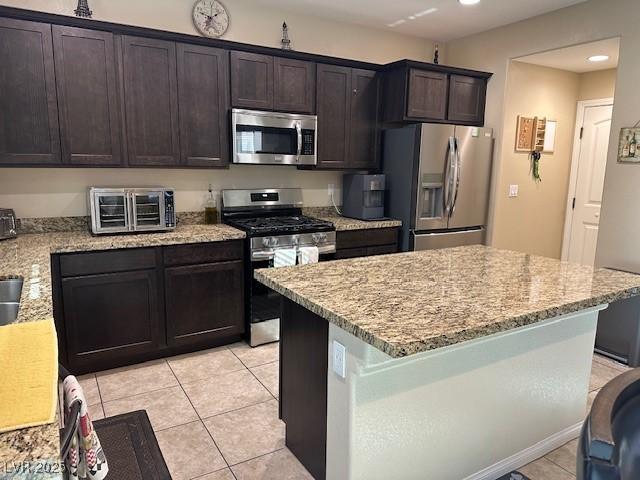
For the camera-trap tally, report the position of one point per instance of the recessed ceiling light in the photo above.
(598, 58)
(469, 2)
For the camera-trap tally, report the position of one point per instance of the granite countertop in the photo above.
(412, 302)
(345, 223)
(28, 256)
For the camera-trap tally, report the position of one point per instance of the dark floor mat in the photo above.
(131, 447)
(514, 476)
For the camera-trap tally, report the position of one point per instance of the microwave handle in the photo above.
(299, 134)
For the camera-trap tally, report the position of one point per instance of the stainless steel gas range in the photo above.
(272, 219)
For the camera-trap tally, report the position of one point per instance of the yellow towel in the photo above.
(29, 363)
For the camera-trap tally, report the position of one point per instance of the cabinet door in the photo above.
(151, 101)
(294, 85)
(363, 144)
(427, 96)
(204, 302)
(29, 133)
(251, 81)
(111, 318)
(334, 115)
(466, 99)
(203, 102)
(87, 96)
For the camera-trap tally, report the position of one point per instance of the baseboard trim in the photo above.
(528, 454)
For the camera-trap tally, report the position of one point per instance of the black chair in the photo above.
(609, 446)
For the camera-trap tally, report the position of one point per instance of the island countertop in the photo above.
(412, 302)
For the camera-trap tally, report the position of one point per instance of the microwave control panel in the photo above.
(169, 210)
(308, 142)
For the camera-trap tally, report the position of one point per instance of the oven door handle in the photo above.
(299, 136)
(259, 255)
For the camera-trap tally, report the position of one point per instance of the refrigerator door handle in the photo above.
(456, 169)
(447, 196)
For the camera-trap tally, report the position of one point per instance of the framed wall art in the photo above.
(629, 145)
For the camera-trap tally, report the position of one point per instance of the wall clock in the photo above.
(210, 18)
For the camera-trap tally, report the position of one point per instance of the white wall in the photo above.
(594, 20)
(60, 192)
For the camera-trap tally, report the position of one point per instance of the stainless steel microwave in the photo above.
(122, 210)
(273, 138)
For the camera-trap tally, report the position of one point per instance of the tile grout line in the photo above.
(237, 409)
(138, 394)
(254, 458)
(254, 375)
(202, 422)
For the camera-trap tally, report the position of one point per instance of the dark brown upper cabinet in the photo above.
(364, 133)
(251, 81)
(263, 82)
(90, 127)
(151, 102)
(418, 92)
(29, 132)
(334, 115)
(294, 85)
(427, 95)
(467, 99)
(347, 103)
(203, 97)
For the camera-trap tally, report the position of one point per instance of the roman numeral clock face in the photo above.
(210, 18)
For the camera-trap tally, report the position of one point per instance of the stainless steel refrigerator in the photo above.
(438, 179)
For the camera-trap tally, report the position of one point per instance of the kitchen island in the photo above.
(459, 363)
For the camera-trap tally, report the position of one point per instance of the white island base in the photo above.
(474, 410)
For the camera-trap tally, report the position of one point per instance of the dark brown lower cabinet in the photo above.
(365, 243)
(120, 307)
(111, 317)
(203, 302)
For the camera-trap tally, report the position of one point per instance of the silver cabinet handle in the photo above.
(299, 135)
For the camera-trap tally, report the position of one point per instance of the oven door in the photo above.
(109, 211)
(147, 209)
(265, 305)
(273, 138)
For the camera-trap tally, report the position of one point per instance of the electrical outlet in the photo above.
(331, 189)
(513, 190)
(339, 361)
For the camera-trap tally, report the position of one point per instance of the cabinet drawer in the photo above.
(75, 264)
(202, 253)
(366, 238)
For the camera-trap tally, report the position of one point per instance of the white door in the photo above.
(592, 161)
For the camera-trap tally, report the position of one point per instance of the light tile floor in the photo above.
(215, 413)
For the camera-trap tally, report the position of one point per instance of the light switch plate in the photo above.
(513, 190)
(339, 361)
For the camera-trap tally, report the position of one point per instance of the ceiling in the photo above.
(575, 58)
(440, 20)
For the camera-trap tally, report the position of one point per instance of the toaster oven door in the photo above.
(110, 212)
(147, 209)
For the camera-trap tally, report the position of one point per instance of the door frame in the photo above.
(573, 176)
